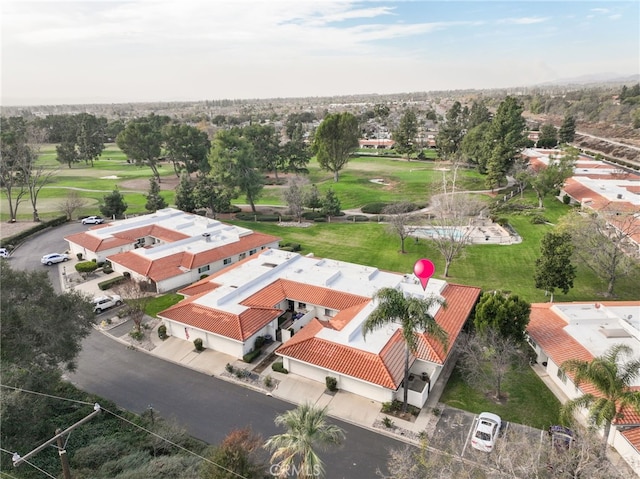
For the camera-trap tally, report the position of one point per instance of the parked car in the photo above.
(92, 220)
(102, 303)
(486, 431)
(4, 253)
(52, 258)
(561, 437)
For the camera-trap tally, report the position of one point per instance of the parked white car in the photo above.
(92, 220)
(4, 253)
(486, 431)
(53, 258)
(102, 303)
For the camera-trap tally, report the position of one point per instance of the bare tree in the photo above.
(399, 218)
(294, 196)
(452, 214)
(488, 358)
(600, 240)
(72, 202)
(35, 177)
(136, 299)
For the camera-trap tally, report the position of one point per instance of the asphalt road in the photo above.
(207, 407)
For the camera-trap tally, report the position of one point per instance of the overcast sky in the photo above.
(155, 50)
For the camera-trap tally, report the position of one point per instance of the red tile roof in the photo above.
(385, 369)
(546, 328)
(121, 238)
(633, 436)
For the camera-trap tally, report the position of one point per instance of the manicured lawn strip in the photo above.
(160, 303)
(529, 401)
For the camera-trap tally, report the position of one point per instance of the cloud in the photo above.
(522, 20)
(600, 10)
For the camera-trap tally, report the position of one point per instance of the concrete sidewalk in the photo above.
(292, 388)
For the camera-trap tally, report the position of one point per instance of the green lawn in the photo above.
(161, 303)
(528, 400)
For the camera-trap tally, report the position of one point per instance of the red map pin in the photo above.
(424, 269)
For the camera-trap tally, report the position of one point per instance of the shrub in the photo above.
(203, 276)
(79, 256)
(268, 381)
(137, 335)
(566, 199)
(107, 269)
(356, 218)
(374, 208)
(104, 285)
(388, 423)
(332, 383)
(320, 220)
(229, 368)
(502, 221)
(86, 267)
(251, 355)
(260, 340)
(312, 215)
(538, 219)
(279, 367)
(286, 246)
(162, 332)
(198, 344)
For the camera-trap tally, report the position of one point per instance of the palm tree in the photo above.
(612, 378)
(414, 317)
(307, 430)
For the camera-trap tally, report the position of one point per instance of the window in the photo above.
(252, 252)
(242, 255)
(302, 305)
(263, 247)
(562, 376)
(329, 312)
(227, 261)
(203, 269)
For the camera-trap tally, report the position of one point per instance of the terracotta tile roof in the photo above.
(460, 303)
(203, 286)
(282, 289)
(174, 265)
(633, 436)
(239, 327)
(95, 243)
(546, 328)
(385, 369)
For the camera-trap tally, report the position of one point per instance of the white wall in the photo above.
(627, 451)
(209, 340)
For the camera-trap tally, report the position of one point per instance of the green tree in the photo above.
(413, 316)
(306, 431)
(451, 132)
(266, 147)
(612, 378)
(67, 153)
(237, 456)
(312, 198)
(334, 141)
(295, 154)
(187, 147)
(233, 164)
(154, 202)
(16, 156)
(553, 267)
(567, 131)
(475, 148)
(184, 198)
(548, 136)
(506, 314)
(549, 178)
(209, 194)
(113, 205)
(40, 328)
(330, 204)
(141, 141)
(506, 137)
(90, 134)
(294, 195)
(405, 134)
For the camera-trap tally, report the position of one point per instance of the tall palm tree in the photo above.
(612, 378)
(294, 450)
(414, 317)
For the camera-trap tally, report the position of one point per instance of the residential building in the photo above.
(316, 308)
(170, 248)
(562, 331)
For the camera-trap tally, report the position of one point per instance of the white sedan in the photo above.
(486, 431)
(52, 258)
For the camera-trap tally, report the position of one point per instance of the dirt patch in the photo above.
(7, 230)
(166, 183)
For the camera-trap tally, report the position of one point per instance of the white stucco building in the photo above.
(316, 308)
(562, 331)
(169, 248)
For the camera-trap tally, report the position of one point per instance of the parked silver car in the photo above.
(92, 220)
(52, 258)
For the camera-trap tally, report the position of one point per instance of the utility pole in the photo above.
(17, 459)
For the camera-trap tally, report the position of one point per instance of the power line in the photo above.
(32, 465)
(125, 420)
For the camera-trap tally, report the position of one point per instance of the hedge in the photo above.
(279, 368)
(374, 208)
(251, 355)
(16, 239)
(356, 218)
(111, 282)
(86, 267)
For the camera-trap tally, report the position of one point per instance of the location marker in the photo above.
(424, 269)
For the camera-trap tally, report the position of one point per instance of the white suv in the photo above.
(52, 258)
(92, 220)
(102, 303)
